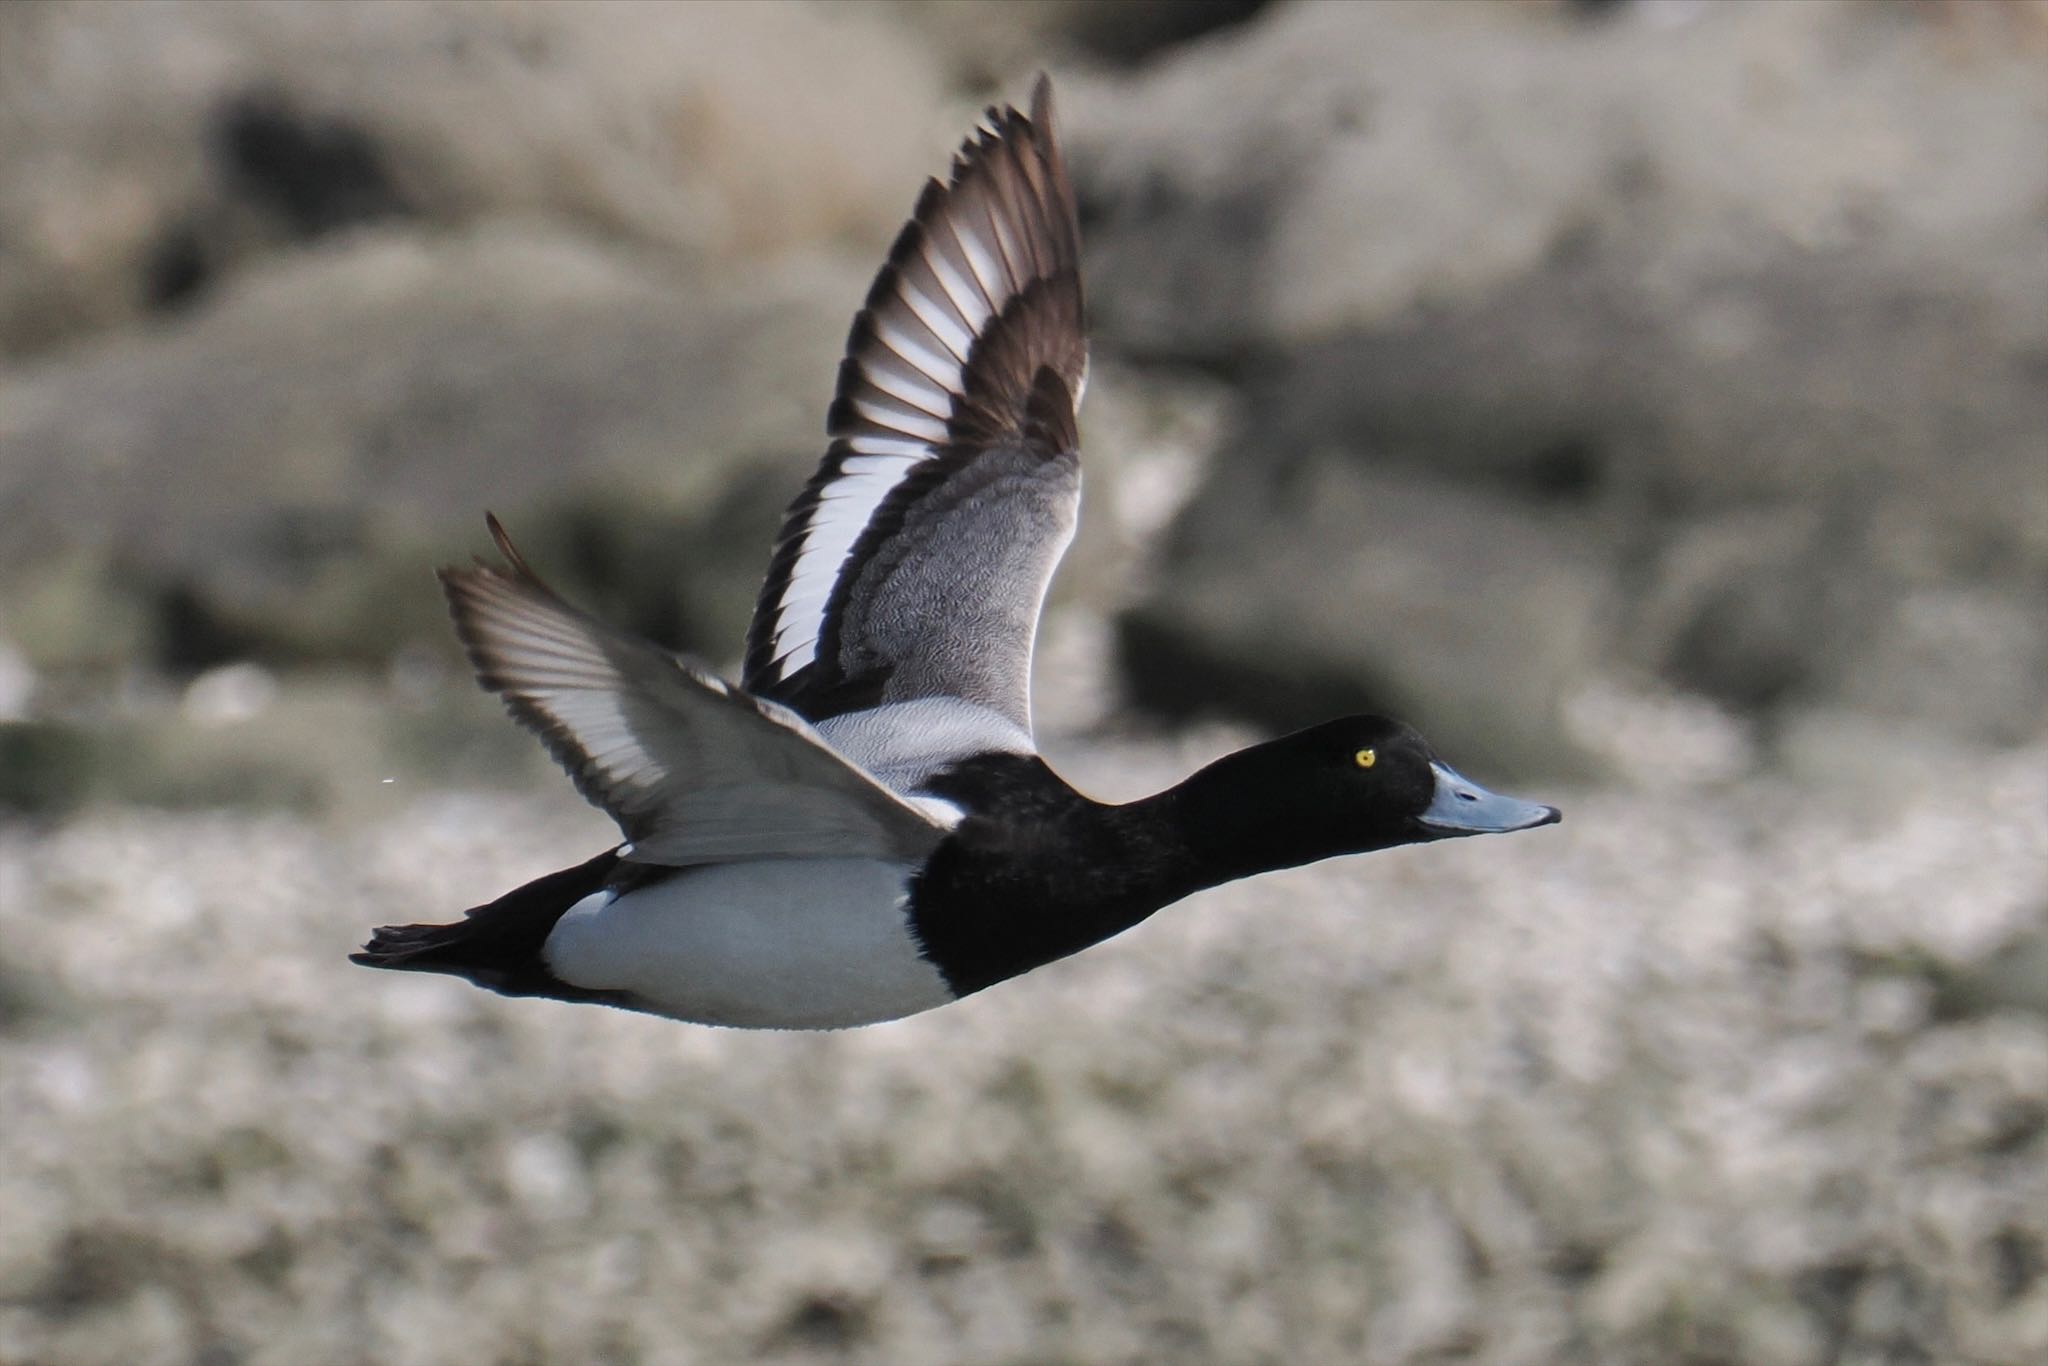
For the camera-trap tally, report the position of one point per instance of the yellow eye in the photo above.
(1365, 758)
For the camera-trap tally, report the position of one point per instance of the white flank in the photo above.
(785, 944)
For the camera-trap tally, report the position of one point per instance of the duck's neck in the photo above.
(1215, 827)
(1050, 872)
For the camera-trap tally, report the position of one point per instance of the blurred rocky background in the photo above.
(1649, 399)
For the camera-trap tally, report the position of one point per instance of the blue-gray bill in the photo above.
(1463, 807)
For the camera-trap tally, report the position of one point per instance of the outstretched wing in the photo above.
(693, 771)
(915, 562)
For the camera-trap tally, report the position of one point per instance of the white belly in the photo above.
(784, 944)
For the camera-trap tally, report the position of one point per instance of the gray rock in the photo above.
(1751, 607)
(2015, 977)
(275, 475)
(1768, 335)
(154, 150)
(1969, 659)
(1345, 591)
(1412, 155)
(45, 769)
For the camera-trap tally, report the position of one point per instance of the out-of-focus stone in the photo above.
(1343, 591)
(1415, 154)
(275, 475)
(1748, 608)
(1698, 277)
(988, 43)
(331, 744)
(2014, 978)
(1971, 660)
(152, 150)
(46, 768)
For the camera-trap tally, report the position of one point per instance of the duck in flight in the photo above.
(863, 828)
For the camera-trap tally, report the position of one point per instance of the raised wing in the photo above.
(915, 562)
(692, 770)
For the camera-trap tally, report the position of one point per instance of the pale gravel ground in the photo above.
(1656, 1085)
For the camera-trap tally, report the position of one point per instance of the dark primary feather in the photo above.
(970, 342)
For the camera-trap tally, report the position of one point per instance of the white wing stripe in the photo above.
(916, 423)
(894, 317)
(808, 605)
(964, 292)
(987, 265)
(799, 642)
(943, 369)
(893, 467)
(915, 276)
(837, 522)
(932, 315)
(868, 444)
(920, 393)
(812, 599)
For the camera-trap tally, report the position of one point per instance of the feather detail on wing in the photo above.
(981, 292)
(693, 771)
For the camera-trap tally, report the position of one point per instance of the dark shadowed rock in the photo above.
(986, 45)
(45, 770)
(316, 174)
(2014, 977)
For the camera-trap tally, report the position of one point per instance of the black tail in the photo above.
(498, 945)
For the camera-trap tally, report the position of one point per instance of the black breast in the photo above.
(1034, 872)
